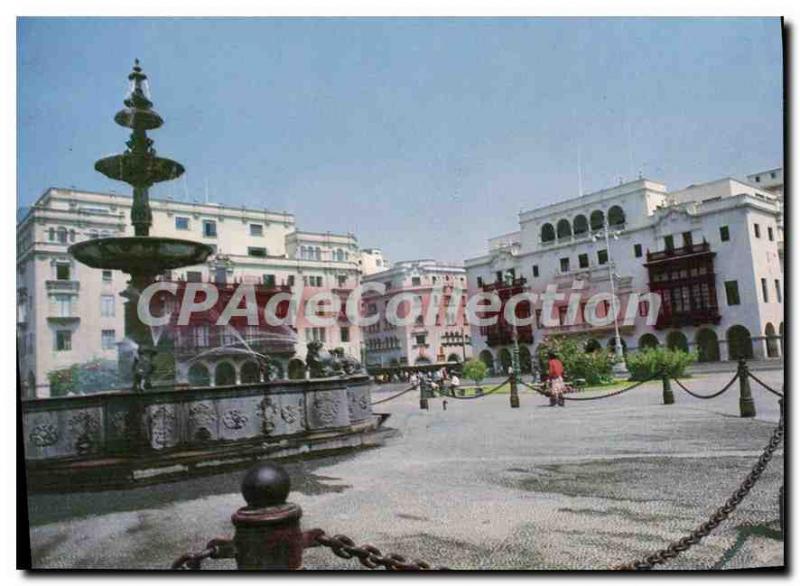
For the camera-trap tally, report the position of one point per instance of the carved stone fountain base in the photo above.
(121, 439)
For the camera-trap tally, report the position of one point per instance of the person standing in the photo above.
(454, 382)
(555, 376)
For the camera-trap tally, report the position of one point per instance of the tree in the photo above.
(475, 370)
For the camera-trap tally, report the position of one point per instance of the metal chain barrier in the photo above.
(533, 388)
(711, 396)
(218, 548)
(677, 547)
(763, 384)
(268, 534)
(480, 396)
(408, 390)
(612, 394)
(369, 555)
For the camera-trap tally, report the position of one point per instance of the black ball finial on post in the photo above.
(268, 535)
(266, 485)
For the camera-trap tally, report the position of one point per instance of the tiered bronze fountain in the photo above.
(142, 256)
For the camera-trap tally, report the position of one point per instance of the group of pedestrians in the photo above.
(437, 380)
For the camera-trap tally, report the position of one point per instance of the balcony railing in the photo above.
(504, 336)
(702, 247)
(63, 285)
(517, 282)
(695, 317)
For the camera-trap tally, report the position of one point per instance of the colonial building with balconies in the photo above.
(437, 334)
(69, 313)
(708, 252)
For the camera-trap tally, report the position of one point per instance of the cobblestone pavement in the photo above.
(480, 486)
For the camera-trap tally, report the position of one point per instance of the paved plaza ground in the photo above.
(480, 486)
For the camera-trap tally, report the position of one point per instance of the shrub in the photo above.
(594, 367)
(89, 377)
(475, 370)
(651, 362)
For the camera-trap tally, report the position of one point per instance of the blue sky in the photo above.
(425, 137)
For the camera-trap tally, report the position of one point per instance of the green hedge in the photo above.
(594, 367)
(650, 362)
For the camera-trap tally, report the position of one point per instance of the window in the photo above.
(757, 230)
(764, 290)
(637, 250)
(209, 228)
(420, 339)
(312, 281)
(269, 280)
(416, 281)
(63, 340)
(669, 242)
(290, 280)
(538, 318)
(564, 265)
(770, 233)
(108, 338)
(724, 233)
(181, 223)
(772, 174)
(341, 280)
(732, 292)
(602, 257)
(480, 279)
(644, 308)
(687, 239)
(256, 230)
(315, 334)
(256, 251)
(63, 305)
(583, 261)
(107, 305)
(107, 275)
(62, 235)
(344, 334)
(758, 178)
(778, 294)
(200, 335)
(535, 273)
(194, 276)
(63, 271)
(51, 234)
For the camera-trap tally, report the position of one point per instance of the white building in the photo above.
(709, 251)
(372, 261)
(772, 181)
(68, 313)
(439, 290)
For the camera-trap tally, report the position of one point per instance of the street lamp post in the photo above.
(514, 394)
(619, 367)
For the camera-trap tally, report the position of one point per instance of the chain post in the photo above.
(667, 395)
(747, 408)
(514, 395)
(268, 535)
(423, 396)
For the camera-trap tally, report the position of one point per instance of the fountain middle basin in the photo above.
(140, 254)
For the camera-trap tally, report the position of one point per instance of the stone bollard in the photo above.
(268, 535)
(747, 408)
(666, 394)
(514, 395)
